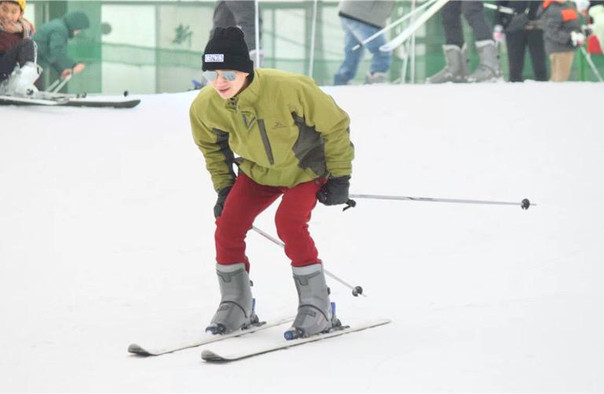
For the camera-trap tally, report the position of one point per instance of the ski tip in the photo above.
(208, 355)
(132, 103)
(138, 350)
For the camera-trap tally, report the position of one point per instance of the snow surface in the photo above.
(106, 238)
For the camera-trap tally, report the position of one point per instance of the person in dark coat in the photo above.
(457, 68)
(52, 38)
(522, 30)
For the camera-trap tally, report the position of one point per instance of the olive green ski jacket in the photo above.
(282, 130)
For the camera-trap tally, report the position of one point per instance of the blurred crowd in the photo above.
(550, 31)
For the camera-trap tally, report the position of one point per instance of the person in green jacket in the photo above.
(52, 38)
(288, 139)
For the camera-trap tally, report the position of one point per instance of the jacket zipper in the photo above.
(266, 142)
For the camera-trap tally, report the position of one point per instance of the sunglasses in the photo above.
(213, 75)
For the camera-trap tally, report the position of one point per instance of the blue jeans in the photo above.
(354, 33)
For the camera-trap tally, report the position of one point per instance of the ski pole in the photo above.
(524, 204)
(313, 34)
(393, 24)
(257, 32)
(356, 290)
(593, 67)
(63, 82)
(58, 84)
(51, 87)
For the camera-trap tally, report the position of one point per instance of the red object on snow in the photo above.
(593, 45)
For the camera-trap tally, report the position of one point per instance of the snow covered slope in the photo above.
(106, 238)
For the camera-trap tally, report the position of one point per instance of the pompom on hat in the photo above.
(227, 50)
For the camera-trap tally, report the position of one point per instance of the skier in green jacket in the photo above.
(51, 39)
(288, 139)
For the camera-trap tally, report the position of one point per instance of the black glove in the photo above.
(222, 195)
(335, 191)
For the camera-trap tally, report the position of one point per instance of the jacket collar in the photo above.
(245, 100)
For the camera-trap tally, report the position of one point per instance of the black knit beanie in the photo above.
(227, 50)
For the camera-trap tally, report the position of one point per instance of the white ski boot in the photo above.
(21, 81)
(236, 309)
(316, 314)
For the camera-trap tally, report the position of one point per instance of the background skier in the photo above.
(240, 13)
(52, 39)
(360, 20)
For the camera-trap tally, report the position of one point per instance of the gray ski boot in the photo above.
(456, 69)
(488, 69)
(376, 77)
(316, 314)
(236, 309)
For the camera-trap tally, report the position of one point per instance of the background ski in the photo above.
(12, 100)
(416, 24)
(209, 338)
(102, 103)
(67, 101)
(211, 356)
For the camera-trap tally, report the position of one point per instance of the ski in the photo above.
(208, 338)
(102, 103)
(66, 101)
(13, 100)
(211, 356)
(408, 32)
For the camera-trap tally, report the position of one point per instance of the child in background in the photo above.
(18, 68)
(562, 35)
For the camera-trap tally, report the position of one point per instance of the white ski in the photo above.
(211, 356)
(408, 32)
(500, 8)
(31, 101)
(207, 338)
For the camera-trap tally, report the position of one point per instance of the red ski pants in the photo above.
(247, 199)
